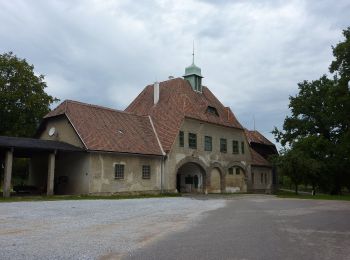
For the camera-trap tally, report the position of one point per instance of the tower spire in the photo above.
(193, 75)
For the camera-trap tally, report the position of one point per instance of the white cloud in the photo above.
(252, 53)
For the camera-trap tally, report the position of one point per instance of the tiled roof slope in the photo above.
(177, 100)
(105, 129)
(258, 160)
(256, 137)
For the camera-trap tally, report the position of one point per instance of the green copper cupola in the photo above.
(194, 76)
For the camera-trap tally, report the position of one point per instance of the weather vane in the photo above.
(193, 53)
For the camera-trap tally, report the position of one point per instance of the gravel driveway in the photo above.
(92, 229)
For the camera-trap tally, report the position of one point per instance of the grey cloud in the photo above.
(252, 53)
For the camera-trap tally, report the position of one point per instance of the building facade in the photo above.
(176, 136)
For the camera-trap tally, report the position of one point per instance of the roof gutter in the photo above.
(125, 153)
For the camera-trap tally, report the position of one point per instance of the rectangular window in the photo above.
(119, 171)
(237, 171)
(181, 139)
(235, 147)
(223, 145)
(262, 178)
(208, 144)
(230, 170)
(192, 140)
(146, 172)
(265, 178)
(242, 147)
(252, 177)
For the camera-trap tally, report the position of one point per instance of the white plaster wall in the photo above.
(103, 173)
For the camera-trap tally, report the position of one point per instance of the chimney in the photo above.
(156, 92)
(228, 110)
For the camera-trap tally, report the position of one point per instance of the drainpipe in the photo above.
(162, 173)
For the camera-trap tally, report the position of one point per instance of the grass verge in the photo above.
(287, 194)
(86, 197)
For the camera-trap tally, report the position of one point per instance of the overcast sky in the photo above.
(252, 53)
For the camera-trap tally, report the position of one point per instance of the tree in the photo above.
(23, 101)
(312, 150)
(313, 112)
(319, 125)
(299, 165)
(290, 164)
(341, 64)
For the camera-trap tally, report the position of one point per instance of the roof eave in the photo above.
(125, 153)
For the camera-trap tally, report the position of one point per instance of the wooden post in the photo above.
(8, 173)
(51, 173)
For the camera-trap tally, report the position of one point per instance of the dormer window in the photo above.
(212, 110)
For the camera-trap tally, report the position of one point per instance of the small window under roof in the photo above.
(212, 110)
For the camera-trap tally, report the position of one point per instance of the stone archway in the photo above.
(191, 176)
(216, 179)
(236, 178)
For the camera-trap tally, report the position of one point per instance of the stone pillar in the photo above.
(8, 173)
(51, 174)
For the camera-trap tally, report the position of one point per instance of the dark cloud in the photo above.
(252, 53)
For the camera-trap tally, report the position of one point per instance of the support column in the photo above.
(51, 173)
(8, 173)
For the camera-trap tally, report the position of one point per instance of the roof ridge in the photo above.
(101, 107)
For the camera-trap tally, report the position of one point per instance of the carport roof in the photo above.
(36, 144)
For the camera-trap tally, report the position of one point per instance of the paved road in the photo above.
(261, 227)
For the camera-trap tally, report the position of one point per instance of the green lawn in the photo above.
(85, 197)
(286, 194)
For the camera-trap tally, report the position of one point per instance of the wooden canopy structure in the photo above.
(27, 147)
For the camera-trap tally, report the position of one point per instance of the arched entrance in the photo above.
(190, 178)
(236, 179)
(215, 181)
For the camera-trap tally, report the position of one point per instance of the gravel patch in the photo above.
(92, 229)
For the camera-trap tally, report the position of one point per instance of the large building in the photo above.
(175, 136)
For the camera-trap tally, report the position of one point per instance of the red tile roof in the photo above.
(105, 129)
(256, 137)
(258, 160)
(177, 100)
